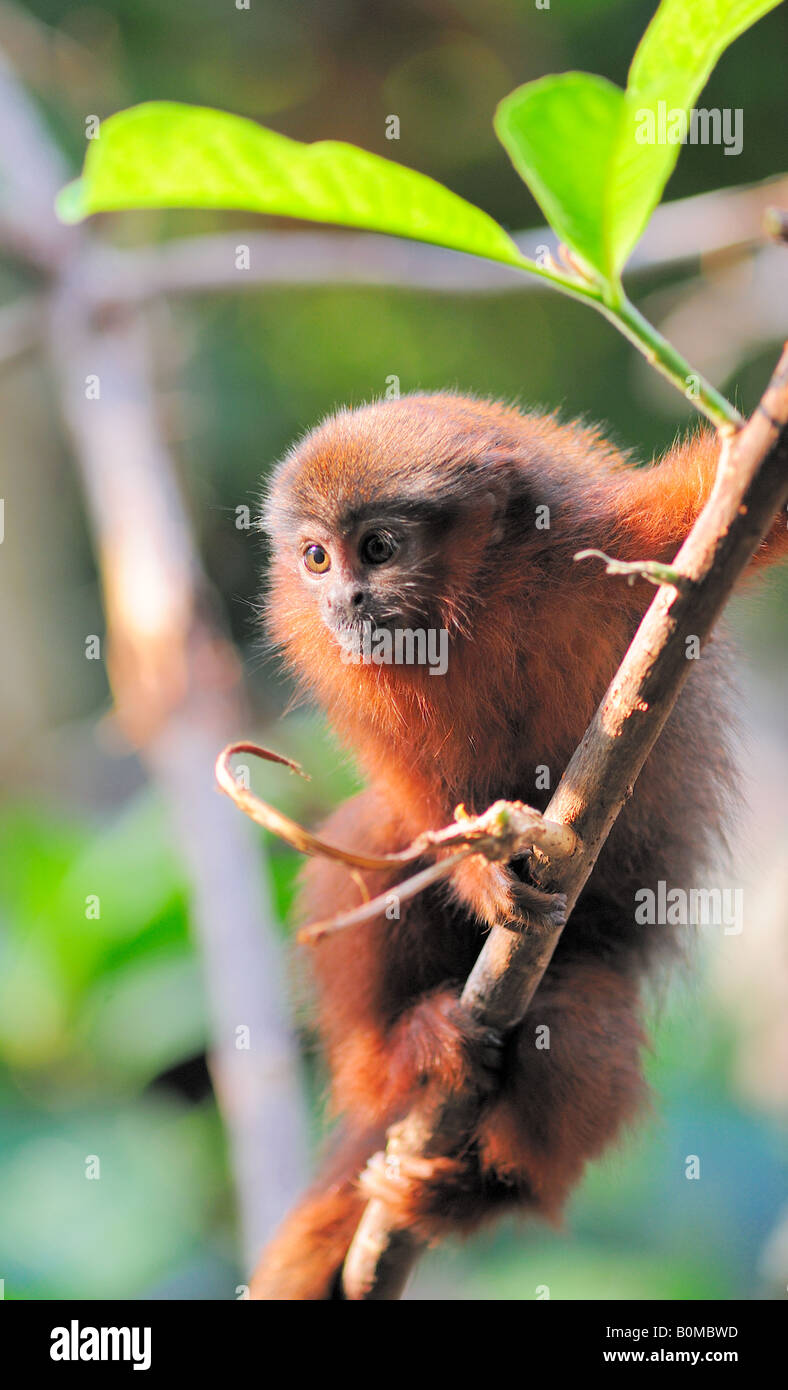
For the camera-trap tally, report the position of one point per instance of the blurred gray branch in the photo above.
(683, 233)
(22, 326)
(712, 229)
(174, 674)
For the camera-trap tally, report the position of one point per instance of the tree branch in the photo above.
(174, 674)
(728, 222)
(750, 488)
(21, 328)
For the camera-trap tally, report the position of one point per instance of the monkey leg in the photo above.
(565, 1083)
(436, 1048)
(430, 1040)
(570, 1080)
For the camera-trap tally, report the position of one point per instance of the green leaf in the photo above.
(560, 134)
(584, 147)
(672, 64)
(164, 154)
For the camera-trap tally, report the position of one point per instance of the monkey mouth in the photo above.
(353, 635)
(389, 643)
(348, 634)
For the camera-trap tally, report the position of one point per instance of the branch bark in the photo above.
(750, 488)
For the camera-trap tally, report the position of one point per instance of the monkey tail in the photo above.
(305, 1257)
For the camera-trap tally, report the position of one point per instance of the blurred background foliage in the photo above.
(103, 1021)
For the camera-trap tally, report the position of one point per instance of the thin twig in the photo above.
(651, 570)
(504, 830)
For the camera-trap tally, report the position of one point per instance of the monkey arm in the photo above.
(654, 508)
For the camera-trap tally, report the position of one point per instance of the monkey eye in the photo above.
(316, 559)
(377, 547)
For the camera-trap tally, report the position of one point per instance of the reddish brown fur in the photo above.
(535, 639)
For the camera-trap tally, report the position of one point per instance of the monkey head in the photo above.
(384, 516)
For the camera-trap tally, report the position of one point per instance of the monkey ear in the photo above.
(479, 525)
(481, 517)
(491, 510)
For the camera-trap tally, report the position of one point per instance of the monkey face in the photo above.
(377, 569)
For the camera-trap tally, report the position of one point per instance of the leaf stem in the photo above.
(621, 312)
(669, 362)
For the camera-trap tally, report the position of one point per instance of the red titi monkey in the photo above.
(445, 513)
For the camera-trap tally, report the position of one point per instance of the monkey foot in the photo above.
(423, 1194)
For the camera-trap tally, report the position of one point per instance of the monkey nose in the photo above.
(346, 601)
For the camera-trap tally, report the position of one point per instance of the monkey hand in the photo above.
(437, 1040)
(534, 909)
(496, 895)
